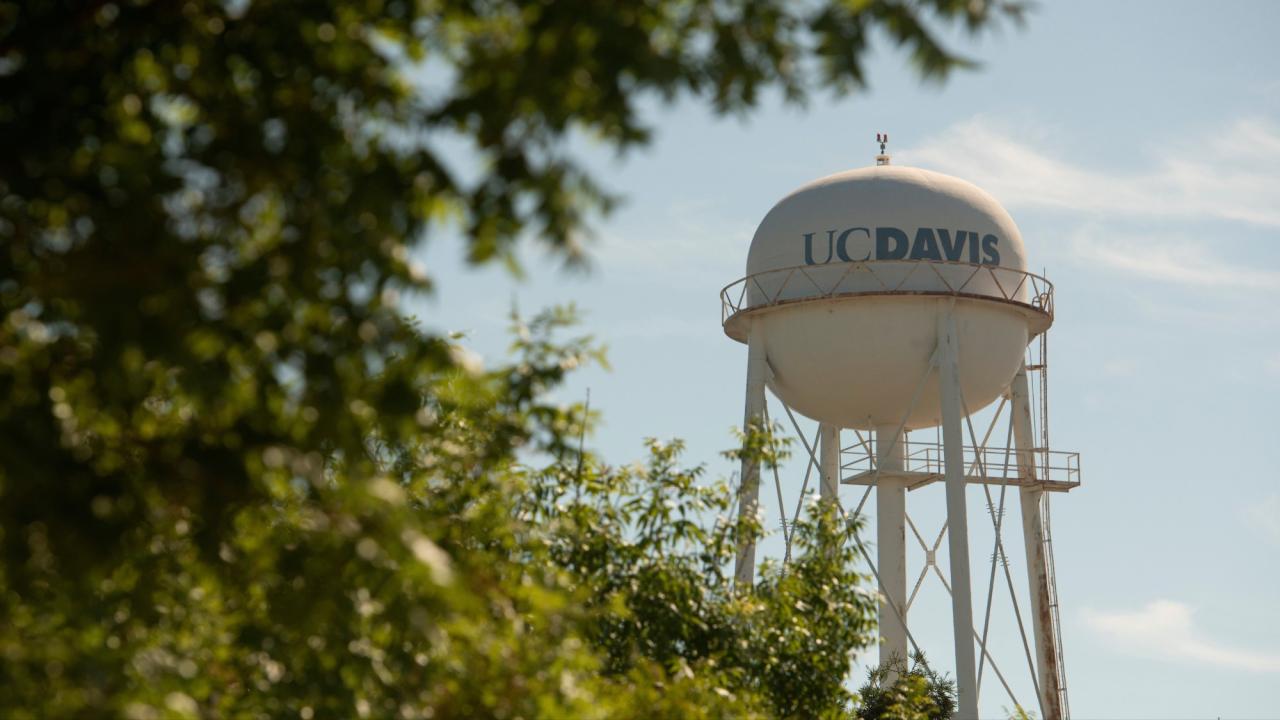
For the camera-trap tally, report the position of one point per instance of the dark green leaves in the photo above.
(236, 481)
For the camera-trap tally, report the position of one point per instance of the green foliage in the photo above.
(653, 577)
(767, 444)
(894, 691)
(235, 480)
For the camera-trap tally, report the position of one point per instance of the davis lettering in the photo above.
(856, 244)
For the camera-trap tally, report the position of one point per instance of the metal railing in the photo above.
(998, 463)
(804, 283)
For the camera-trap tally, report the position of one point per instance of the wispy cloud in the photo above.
(1182, 261)
(1164, 630)
(1233, 175)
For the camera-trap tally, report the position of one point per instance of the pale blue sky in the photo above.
(1137, 145)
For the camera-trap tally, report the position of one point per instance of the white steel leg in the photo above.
(749, 489)
(829, 459)
(1037, 567)
(957, 518)
(891, 544)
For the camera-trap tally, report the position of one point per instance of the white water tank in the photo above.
(847, 278)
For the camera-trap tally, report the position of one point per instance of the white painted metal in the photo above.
(829, 449)
(826, 370)
(891, 547)
(844, 210)
(749, 486)
(957, 520)
(804, 486)
(787, 528)
(1033, 531)
(1064, 707)
(818, 350)
(854, 339)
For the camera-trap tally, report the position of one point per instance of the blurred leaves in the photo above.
(235, 479)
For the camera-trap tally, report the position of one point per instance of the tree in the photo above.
(894, 691)
(207, 212)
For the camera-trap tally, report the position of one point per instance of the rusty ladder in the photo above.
(1042, 367)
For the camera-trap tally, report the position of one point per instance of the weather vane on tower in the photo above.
(883, 139)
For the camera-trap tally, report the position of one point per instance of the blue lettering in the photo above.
(893, 243)
(991, 255)
(951, 249)
(843, 252)
(808, 248)
(900, 243)
(926, 246)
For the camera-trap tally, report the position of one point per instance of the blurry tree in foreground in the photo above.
(235, 481)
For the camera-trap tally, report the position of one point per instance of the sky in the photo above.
(1137, 146)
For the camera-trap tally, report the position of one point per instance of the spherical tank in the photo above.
(849, 277)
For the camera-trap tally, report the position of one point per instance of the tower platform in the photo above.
(1054, 471)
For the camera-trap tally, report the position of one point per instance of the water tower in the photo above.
(889, 299)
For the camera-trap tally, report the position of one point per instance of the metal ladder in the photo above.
(1055, 620)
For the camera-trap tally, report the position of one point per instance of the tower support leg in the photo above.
(1032, 497)
(891, 544)
(829, 460)
(957, 518)
(744, 569)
